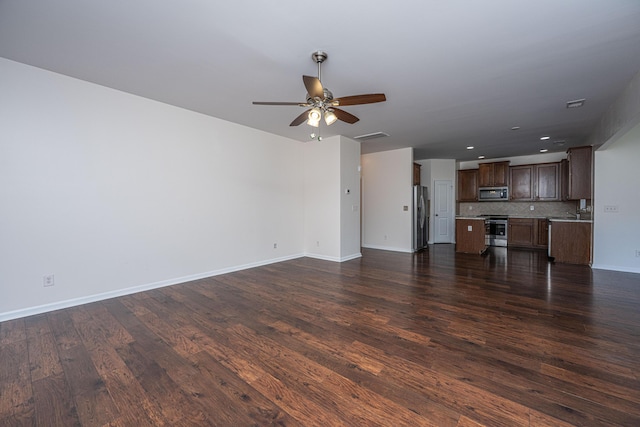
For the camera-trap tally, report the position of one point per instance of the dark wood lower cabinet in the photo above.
(528, 233)
(542, 233)
(571, 242)
(520, 232)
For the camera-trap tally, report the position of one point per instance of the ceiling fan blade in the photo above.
(344, 116)
(314, 87)
(300, 119)
(360, 99)
(301, 104)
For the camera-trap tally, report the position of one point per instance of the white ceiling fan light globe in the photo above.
(314, 117)
(330, 117)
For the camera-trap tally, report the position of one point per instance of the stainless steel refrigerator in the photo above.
(420, 217)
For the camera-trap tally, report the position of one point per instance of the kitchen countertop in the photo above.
(550, 218)
(555, 219)
(479, 218)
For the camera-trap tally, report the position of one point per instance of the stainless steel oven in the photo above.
(496, 230)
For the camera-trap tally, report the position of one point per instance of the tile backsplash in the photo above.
(558, 209)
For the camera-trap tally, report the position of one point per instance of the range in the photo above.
(496, 229)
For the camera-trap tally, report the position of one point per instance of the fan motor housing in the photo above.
(319, 57)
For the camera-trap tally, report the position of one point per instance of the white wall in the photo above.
(322, 198)
(387, 182)
(617, 235)
(114, 193)
(350, 199)
(332, 224)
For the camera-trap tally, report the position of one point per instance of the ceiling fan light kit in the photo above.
(330, 117)
(314, 117)
(322, 103)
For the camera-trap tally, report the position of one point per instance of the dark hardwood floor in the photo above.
(391, 339)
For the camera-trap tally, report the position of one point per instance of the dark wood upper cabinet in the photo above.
(521, 178)
(547, 183)
(468, 185)
(535, 182)
(579, 173)
(563, 177)
(416, 173)
(493, 174)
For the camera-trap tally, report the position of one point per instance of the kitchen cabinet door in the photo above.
(493, 174)
(542, 232)
(501, 174)
(547, 185)
(520, 232)
(563, 177)
(468, 185)
(521, 178)
(579, 176)
(485, 175)
(416, 173)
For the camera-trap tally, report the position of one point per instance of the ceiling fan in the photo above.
(321, 102)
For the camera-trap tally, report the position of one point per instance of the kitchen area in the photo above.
(537, 206)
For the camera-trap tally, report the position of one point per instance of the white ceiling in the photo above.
(455, 72)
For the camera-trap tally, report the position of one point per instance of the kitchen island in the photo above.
(471, 235)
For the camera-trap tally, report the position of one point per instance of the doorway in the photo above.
(443, 211)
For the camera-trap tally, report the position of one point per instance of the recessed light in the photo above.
(470, 147)
(576, 103)
(544, 138)
(481, 157)
(515, 128)
(543, 150)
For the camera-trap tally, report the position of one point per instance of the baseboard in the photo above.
(616, 268)
(388, 248)
(350, 257)
(30, 311)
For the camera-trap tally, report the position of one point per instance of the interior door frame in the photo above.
(449, 216)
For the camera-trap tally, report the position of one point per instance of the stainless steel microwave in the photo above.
(493, 194)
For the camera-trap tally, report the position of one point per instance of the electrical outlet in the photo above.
(637, 253)
(275, 246)
(611, 209)
(531, 207)
(48, 280)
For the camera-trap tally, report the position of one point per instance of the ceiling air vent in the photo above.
(576, 103)
(370, 136)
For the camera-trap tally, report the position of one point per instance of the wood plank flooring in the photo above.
(391, 339)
